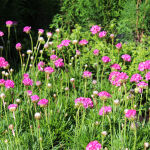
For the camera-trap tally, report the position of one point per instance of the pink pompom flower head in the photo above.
(144, 65)
(119, 46)
(95, 29)
(83, 42)
(41, 65)
(43, 103)
(9, 84)
(130, 114)
(53, 57)
(96, 52)
(2, 82)
(85, 102)
(18, 46)
(102, 34)
(87, 74)
(59, 63)
(65, 42)
(94, 145)
(115, 67)
(142, 85)
(34, 98)
(105, 110)
(1, 33)
(40, 31)
(9, 23)
(78, 52)
(126, 57)
(27, 82)
(106, 59)
(26, 29)
(12, 107)
(136, 78)
(147, 76)
(48, 70)
(104, 95)
(29, 93)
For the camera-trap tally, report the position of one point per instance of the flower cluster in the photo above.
(3, 63)
(118, 78)
(87, 74)
(53, 57)
(9, 84)
(59, 63)
(96, 52)
(136, 78)
(130, 114)
(34, 98)
(106, 59)
(26, 29)
(142, 84)
(119, 46)
(83, 42)
(27, 81)
(102, 34)
(126, 57)
(2, 82)
(48, 70)
(63, 43)
(95, 29)
(144, 65)
(41, 65)
(43, 102)
(116, 67)
(94, 145)
(147, 76)
(18, 46)
(1, 33)
(104, 110)
(12, 107)
(104, 95)
(85, 102)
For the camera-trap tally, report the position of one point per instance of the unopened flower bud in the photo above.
(116, 102)
(30, 65)
(94, 82)
(54, 95)
(2, 95)
(72, 80)
(6, 74)
(18, 101)
(3, 72)
(31, 57)
(29, 52)
(57, 30)
(49, 85)
(51, 43)
(11, 70)
(37, 116)
(95, 92)
(97, 123)
(41, 39)
(104, 133)
(146, 144)
(85, 65)
(11, 127)
(66, 89)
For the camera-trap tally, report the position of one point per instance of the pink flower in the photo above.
(102, 34)
(116, 67)
(144, 65)
(40, 31)
(18, 46)
(106, 59)
(26, 75)
(34, 98)
(29, 92)
(65, 42)
(104, 110)
(1, 33)
(87, 74)
(95, 29)
(26, 29)
(49, 34)
(53, 57)
(59, 63)
(147, 76)
(104, 95)
(59, 46)
(9, 84)
(38, 83)
(41, 65)
(43, 102)
(85, 102)
(130, 114)
(48, 70)
(12, 107)
(27, 82)
(83, 42)
(119, 46)
(112, 36)
(126, 57)
(5, 65)
(96, 52)
(2, 60)
(94, 145)
(142, 85)
(78, 52)
(9, 23)
(2, 82)
(136, 78)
